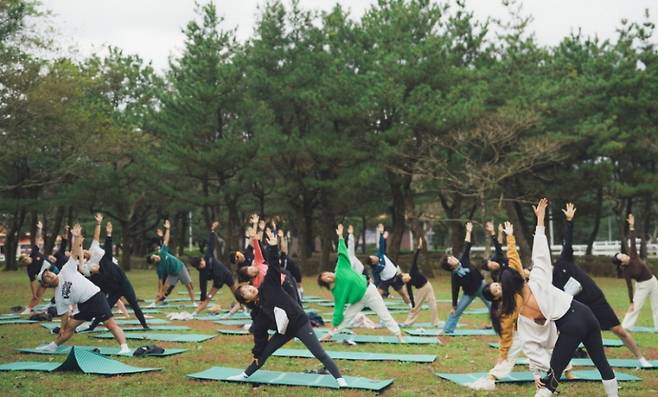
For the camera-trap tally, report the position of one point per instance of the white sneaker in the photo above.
(238, 377)
(341, 382)
(26, 312)
(49, 348)
(194, 304)
(152, 305)
(644, 363)
(543, 392)
(126, 351)
(482, 384)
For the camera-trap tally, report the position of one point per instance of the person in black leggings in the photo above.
(111, 279)
(263, 301)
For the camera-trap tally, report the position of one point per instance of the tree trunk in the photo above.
(13, 237)
(515, 213)
(126, 246)
(597, 220)
(308, 238)
(235, 232)
(400, 193)
(645, 231)
(364, 226)
(56, 226)
(33, 226)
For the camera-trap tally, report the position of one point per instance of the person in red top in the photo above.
(646, 285)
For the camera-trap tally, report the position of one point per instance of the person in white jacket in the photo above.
(543, 303)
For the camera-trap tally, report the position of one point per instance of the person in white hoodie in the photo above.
(543, 303)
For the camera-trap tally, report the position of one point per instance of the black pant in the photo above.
(127, 291)
(307, 336)
(576, 326)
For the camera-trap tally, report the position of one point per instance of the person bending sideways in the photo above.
(542, 302)
(108, 276)
(211, 268)
(537, 346)
(386, 273)
(289, 265)
(33, 264)
(463, 276)
(170, 270)
(273, 308)
(424, 291)
(646, 285)
(351, 288)
(72, 288)
(573, 280)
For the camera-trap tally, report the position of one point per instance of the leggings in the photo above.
(127, 291)
(307, 336)
(576, 326)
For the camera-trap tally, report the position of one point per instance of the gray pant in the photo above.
(183, 276)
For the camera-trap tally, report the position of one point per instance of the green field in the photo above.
(463, 354)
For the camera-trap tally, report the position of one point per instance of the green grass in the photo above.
(463, 354)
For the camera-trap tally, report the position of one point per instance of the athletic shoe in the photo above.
(50, 348)
(147, 328)
(644, 363)
(152, 305)
(341, 382)
(194, 304)
(238, 377)
(26, 312)
(126, 351)
(482, 384)
(543, 392)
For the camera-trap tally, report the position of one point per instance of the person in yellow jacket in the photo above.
(511, 345)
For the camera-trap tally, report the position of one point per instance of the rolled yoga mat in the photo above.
(78, 360)
(291, 379)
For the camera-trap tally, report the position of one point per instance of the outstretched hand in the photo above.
(469, 227)
(380, 228)
(540, 210)
(76, 231)
(631, 220)
(569, 211)
(166, 225)
(99, 218)
(214, 226)
(108, 228)
(339, 230)
(420, 242)
(271, 238)
(508, 229)
(39, 225)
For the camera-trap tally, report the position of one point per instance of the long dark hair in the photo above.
(495, 314)
(512, 283)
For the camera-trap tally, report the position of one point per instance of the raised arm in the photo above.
(38, 238)
(631, 232)
(76, 243)
(97, 229)
(382, 241)
(466, 254)
(542, 269)
(64, 241)
(351, 243)
(513, 258)
(343, 261)
(108, 246)
(489, 228)
(167, 233)
(567, 243)
(273, 263)
(414, 262)
(210, 247)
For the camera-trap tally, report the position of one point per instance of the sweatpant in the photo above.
(127, 291)
(307, 336)
(373, 300)
(643, 290)
(505, 367)
(424, 294)
(576, 326)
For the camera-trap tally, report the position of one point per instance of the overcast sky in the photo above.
(152, 28)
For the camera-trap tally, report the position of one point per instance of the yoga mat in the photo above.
(291, 379)
(78, 360)
(314, 299)
(9, 316)
(649, 330)
(457, 332)
(606, 343)
(235, 316)
(145, 311)
(482, 310)
(122, 322)
(233, 322)
(410, 340)
(233, 331)
(161, 337)
(105, 351)
(425, 325)
(518, 377)
(82, 328)
(359, 356)
(614, 362)
(17, 321)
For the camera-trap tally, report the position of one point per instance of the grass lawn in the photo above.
(461, 354)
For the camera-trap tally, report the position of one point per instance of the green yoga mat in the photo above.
(482, 310)
(105, 351)
(649, 330)
(82, 328)
(410, 340)
(518, 377)
(359, 356)
(291, 379)
(233, 322)
(9, 316)
(233, 331)
(161, 337)
(614, 362)
(120, 322)
(457, 332)
(606, 343)
(234, 316)
(17, 321)
(425, 325)
(78, 360)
